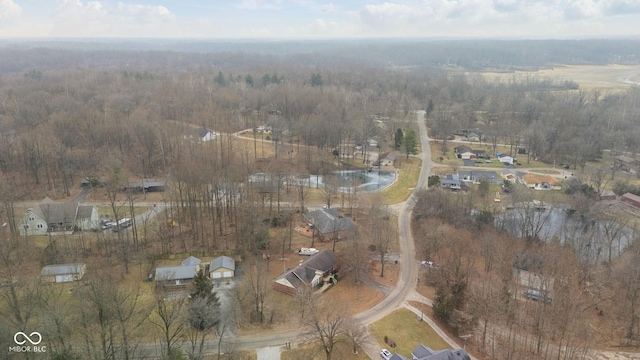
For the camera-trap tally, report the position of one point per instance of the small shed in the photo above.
(222, 267)
(63, 272)
(607, 195)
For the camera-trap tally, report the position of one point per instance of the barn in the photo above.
(222, 267)
(63, 272)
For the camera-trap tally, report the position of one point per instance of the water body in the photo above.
(587, 236)
(350, 181)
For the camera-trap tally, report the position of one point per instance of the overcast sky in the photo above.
(319, 19)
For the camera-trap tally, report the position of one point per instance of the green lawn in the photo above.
(408, 175)
(406, 329)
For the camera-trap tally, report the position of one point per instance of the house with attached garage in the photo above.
(222, 267)
(53, 218)
(541, 182)
(63, 272)
(176, 275)
(316, 273)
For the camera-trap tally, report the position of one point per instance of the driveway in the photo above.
(269, 353)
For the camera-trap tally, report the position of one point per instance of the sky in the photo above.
(319, 19)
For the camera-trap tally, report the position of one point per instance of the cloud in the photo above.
(621, 7)
(9, 10)
(260, 4)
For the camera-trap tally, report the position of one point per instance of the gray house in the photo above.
(176, 275)
(422, 352)
(451, 181)
(328, 223)
(52, 217)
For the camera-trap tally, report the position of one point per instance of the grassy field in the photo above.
(606, 77)
(408, 175)
(403, 327)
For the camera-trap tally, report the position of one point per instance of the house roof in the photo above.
(53, 212)
(539, 179)
(222, 262)
(461, 149)
(631, 196)
(422, 351)
(201, 131)
(62, 269)
(391, 156)
(328, 220)
(84, 212)
(397, 356)
(625, 159)
(176, 272)
(191, 261)
(479, 152)
(306, 271)
(491, 176)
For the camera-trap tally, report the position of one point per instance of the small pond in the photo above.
(349, 181)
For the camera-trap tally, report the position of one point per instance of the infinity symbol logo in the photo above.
(27, 338)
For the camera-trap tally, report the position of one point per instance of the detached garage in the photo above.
(63, 272)
(222, 267)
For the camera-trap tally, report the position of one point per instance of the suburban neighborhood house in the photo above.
(328, 224)
(178, 275)
(541, 182)
(63, 272)
(50, 217)
(422, 352)
(318, 272)
(625, 163)
(222, 267)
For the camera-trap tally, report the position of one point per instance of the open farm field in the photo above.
(608, 77)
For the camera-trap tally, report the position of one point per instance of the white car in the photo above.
(386, 355)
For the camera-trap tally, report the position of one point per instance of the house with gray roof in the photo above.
(327, 223)
(476, 176)
(451, 181)
(422, 352)
(222, 267)
(200, 135)
(51, 217)
(176, 275)
(316, 272)
(63, 272)
(191, 261)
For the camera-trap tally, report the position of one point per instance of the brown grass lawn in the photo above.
(343, 350)
(406, 329)
(450, 159)
(408, 173)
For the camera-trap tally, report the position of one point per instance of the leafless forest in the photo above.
(111, 113)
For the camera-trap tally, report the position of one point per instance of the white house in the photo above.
(467, 155)
(63, 272)
(508, 160)
(222, 267)
(201, 134)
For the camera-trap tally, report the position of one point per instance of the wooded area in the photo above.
(113, 116)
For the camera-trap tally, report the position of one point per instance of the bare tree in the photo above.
(356, 333)
(324, 329)
(169, 315)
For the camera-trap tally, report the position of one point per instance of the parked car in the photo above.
(108, 225)
(386, 354)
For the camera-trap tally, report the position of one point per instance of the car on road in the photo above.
(108, 225)
(537, 295)
(386, 354)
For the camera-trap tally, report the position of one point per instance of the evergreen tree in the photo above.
(316, 80)
(203, 288)
(430, 108)
(398, 138)
(220, 78)
(410, 143)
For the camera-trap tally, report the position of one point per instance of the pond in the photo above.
(350, 181)
(592, 238)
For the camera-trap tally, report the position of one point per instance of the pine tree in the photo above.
(410, 143)
(203, 288)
